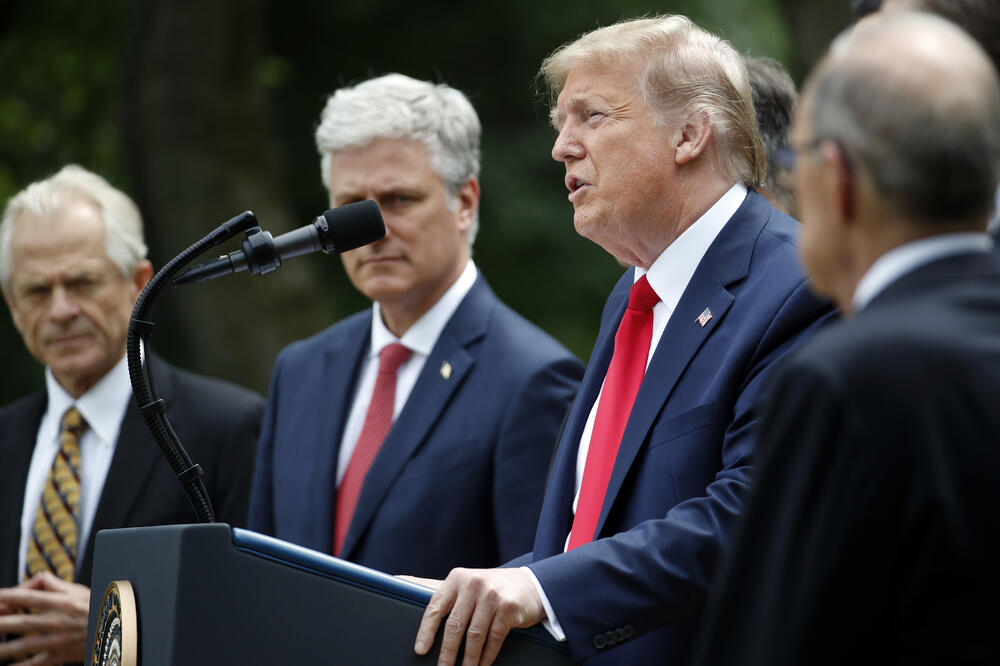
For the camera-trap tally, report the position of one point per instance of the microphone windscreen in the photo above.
(354, 225)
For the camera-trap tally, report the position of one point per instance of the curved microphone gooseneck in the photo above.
(337, 230)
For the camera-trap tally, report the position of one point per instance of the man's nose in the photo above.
(63, 306)
(567, 146)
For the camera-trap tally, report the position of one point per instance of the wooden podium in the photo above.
(210, 594)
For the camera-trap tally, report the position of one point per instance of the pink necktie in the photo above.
(628, 365)
(378, 420)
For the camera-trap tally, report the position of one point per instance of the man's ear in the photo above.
(692, 140)
(141, 275)
(841, 180)
(468, 203)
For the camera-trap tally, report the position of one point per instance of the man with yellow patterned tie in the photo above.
(77, 457)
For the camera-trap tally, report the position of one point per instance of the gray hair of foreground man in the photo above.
(396, 106)
(685, 71)
(928, 139)
(122, 221)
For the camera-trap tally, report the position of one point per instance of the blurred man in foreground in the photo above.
(414, 436)
(657, 133)
(77, 457)
(870, 537)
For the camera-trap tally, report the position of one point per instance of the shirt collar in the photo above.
(102, 406)
(423, 334)
(901, 260)
(670, 273)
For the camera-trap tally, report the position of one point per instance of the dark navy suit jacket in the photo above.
(460, 477)
(871, 534)
(683, 465)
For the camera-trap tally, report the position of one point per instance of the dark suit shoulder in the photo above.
(925, 322)
(782, 227)
(350, 327)
(531, 343)
(778, 244)
(31, 404)
(196, 390)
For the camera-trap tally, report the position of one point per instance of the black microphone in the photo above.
(337, 230)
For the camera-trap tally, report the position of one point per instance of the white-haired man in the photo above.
(871, 534)
(658, 136)
(77, 457)
(414, 436)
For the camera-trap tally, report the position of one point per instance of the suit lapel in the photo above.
(17, 444)
(679, 343)
(726, 261)
(341, 363)
(427, 401)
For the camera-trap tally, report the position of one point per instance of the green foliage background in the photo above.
(68, 71)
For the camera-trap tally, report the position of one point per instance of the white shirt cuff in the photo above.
(550, 622)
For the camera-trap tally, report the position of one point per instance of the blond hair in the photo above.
(685, 70)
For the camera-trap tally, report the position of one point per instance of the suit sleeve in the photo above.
(521, 458)
(659, 571)
(260, 517)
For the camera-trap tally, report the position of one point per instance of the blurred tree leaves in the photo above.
(60, 83)
(201, 110)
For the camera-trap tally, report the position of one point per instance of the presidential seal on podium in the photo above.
(116, 641)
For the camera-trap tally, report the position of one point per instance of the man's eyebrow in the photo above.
(83, 273)
(29, 283)
(555, 117)
(572, 102)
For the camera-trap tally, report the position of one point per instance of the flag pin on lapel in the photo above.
(704, 317)
(446, 369)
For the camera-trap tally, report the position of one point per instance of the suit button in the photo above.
(619, 635)
(609, 637)
(629, 631)
(599, 642)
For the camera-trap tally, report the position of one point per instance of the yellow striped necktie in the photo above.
(53, 541)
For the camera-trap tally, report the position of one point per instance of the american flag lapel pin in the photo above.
(704, 317)
(446, 369)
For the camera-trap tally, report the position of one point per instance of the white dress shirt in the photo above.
(901, 260)
(669, 276)
(420, 338)
(103, 408)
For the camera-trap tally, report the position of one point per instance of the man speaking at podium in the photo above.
(77, 458)
(656, 130)
(415, 436)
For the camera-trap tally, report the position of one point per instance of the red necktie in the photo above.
(628, 365)
(378, 420)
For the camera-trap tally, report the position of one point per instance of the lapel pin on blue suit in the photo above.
(446, 369)
(704, 317)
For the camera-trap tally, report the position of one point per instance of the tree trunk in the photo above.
(199, 142)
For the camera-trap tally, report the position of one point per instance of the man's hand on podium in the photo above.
(49, 616)
(481, 605)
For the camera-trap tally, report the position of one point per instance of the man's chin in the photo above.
(587, 225)
(382, 287)
(76, 369)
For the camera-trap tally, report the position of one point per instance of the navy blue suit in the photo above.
(460, 477)
(683, 465)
